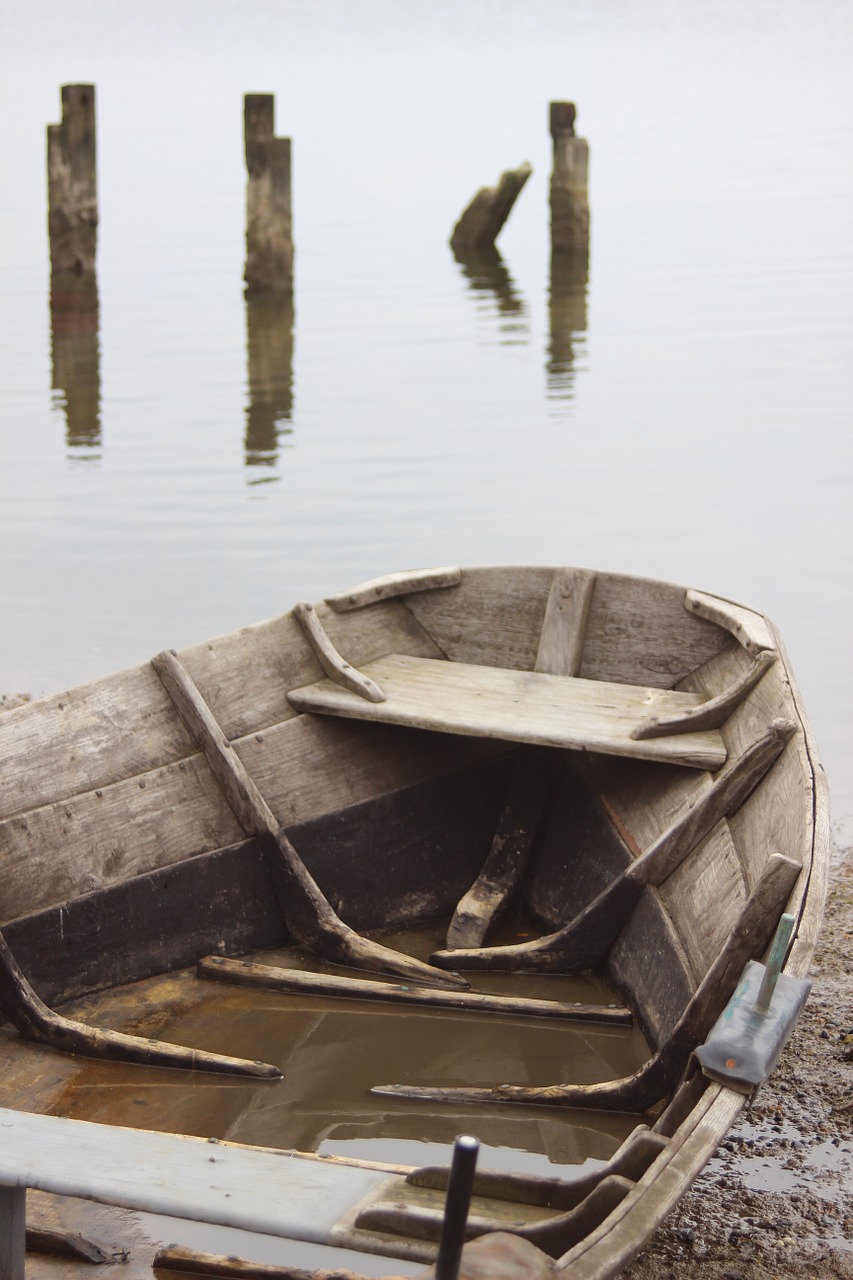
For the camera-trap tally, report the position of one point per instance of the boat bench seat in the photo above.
(520, 706)
(282, 1193)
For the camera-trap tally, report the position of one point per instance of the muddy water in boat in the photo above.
(332, 1051)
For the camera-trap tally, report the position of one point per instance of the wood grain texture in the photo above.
(518, 706)
(704, 897)
(618, 1238)
(309, 915)
(749, 628)
(393, 584)
(87, 738)
(13, 1204)
(333, 663)
(296, 981)
(244, 676)
(305, 767)
(583, 942)
(561, 641)
(534, 775)
(39, 1024)
(713, 713)
(280, 1193)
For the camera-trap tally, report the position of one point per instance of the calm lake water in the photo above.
(684, 412)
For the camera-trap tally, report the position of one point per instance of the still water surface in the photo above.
(682, 410)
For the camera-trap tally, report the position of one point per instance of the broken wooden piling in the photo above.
(488, 211)
(269, 223)
(72, 183)
(569, 180)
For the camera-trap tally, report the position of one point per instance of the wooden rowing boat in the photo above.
(575, 773)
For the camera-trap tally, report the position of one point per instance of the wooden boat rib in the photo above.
(624, 762)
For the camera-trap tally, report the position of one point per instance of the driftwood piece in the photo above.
(659, 1075)
(713, 713)
(534, 772)
(582, 943)
(308, 913)
(36, 1022)
(488, 211)
(394, 584)
(300, 982)
(65, 1244)
(334, 665)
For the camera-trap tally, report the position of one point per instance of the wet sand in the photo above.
(777, 1199)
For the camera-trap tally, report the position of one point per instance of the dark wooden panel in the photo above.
(384, 863)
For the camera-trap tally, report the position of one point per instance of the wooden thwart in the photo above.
(519, 706)
(307, 912)
(586, 939)
(659, 1075)
(301, 982)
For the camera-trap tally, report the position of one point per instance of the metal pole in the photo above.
(459, 1187)
(778, 951)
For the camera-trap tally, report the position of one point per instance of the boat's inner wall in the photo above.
(385, 863)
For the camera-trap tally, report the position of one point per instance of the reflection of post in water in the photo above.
(566, 318)
(73, 232)
(488, 277)
(75, 356)
(269, 332)
(569, 248)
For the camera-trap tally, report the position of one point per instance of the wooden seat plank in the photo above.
(519, 706)
(281, 1193)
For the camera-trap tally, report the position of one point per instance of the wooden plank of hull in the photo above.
(304, 766)
(125, 725)
(518, 706)
(424, 842)
(638, 631)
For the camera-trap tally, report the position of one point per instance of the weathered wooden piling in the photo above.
(269, 222)
(72, 183)
(488, 211)
(569, 180)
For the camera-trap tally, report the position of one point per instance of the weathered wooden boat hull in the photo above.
(624, 762)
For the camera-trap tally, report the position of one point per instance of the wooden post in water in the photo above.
(488, 211)
(72, 183)
(269, 232)
(569, 177)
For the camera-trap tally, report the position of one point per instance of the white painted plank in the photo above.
(518, 706)
(281, 1193)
